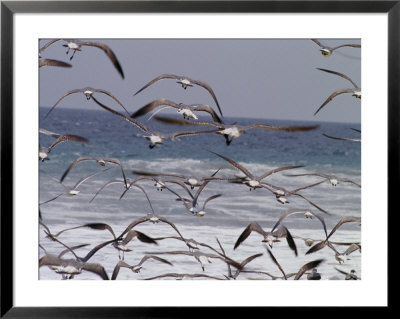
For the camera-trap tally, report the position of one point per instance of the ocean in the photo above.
(226, 216)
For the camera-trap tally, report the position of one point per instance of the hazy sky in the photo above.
(260, 78)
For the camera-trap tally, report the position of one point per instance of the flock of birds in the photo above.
(190, 186)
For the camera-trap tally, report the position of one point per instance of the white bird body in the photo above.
(187, 113)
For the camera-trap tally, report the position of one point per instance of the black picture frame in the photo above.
(9, 8)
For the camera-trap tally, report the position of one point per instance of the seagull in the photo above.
(307, 214)
(52, 62)
(153, 218)
(44, 151)
(302, 269)
(160, 183)
(281, 194)
(135, 268)
(314, 275)
(333, 179)
(75, 266)
(186, 110)
(242, 264)
(269, 237)
(88, 92)
(250, 180)
(327, 51)
(155, 138)
(184, 276)
(349, 276)
(202, 258)
(71, 267)
(233, 130)
(76, 45)
(185, 82)
(311, 265)
(191, 204)
(190, 180)
(322, 244)
(120, 242)
(101, 161)
(74, 190)
(356, 91)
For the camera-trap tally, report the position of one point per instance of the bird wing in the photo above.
(147, 257)
(346, 219)
(51, 62)
(334, 94)
(340, 74)
(308, 266)
(310, 202)
(113, 97)
(117, 267)
(342, 138)
(161, 77)
(276, 170)
(209, 89)
(276, 262)
(107, 50)
(317, 42)
(59, 100)
(96, 269)
(282, 128)
(235, 164)
(347, 45)
(206, 108)
(48, 44)
(141, 236)
(171, 120)
(130, 120)
(115, 181)
(254, 226)
(152, 105)
(210, 198)
(68, 138)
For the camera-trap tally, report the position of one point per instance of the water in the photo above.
(226, 217)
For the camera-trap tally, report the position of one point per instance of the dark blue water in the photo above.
(111, 136)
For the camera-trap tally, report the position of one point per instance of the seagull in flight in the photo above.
(76, 45)
(188, 111)
(155, 138)
(185, 82)
(327, 51)
(231, 131)
(356, 91)
(60, 138)
(88, 92)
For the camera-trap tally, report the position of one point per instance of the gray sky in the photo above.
(269, 79)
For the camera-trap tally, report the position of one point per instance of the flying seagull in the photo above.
(251, 180)
(74, 190)
(269, 237)
(333, 179)
(120, 241)
(356, 91)
(99, 160)
(76, 45)
(231, 131)
(188, 111)
(155, 138)
(44, 151)
(185, 82)
(136, 268)
(88, 92)
(327, 51)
